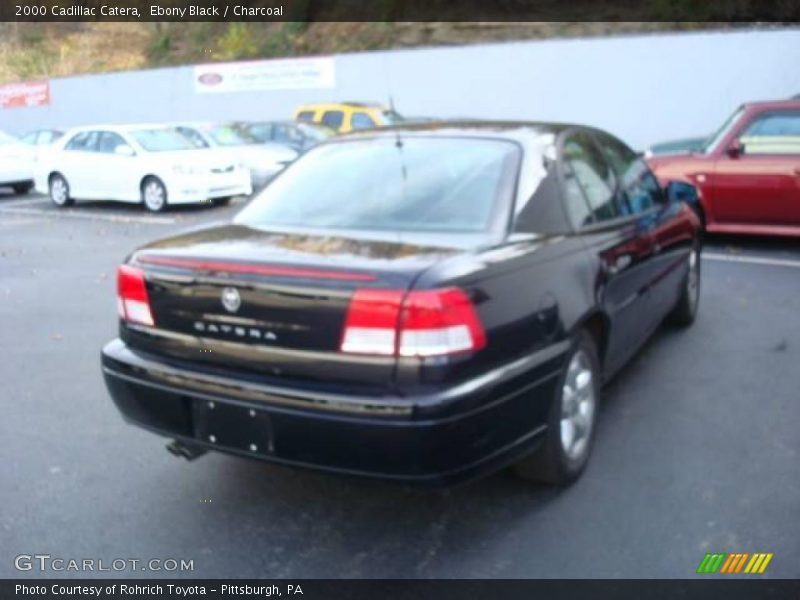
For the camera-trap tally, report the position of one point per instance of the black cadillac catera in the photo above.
(426, 303)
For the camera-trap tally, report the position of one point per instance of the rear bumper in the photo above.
(455, 435)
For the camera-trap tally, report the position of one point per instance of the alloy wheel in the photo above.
(578, 405)
(154, 195)
(58, 191)
(693, 281)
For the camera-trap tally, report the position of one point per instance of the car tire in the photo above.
(571, 421)
(154, 194)
(22, 188)
(685, 311)
(59, 191)
(221, 201)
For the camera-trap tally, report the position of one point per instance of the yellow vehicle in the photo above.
(346, 116)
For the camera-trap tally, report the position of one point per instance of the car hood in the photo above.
(257, 155)
(196, 159)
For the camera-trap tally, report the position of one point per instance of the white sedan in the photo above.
(149, 164)
(265, 160)
(16, 164)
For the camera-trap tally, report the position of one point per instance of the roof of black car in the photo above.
(464, 127)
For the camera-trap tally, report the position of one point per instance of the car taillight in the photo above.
(417, 323)
(132, 302)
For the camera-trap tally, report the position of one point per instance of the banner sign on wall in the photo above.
(259, 75)
(29, 93)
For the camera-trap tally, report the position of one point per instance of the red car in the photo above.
(748, 172)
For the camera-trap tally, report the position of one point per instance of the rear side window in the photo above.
(772, 133)
(333, 118)
(83, 141)
(589, 182)
(306, 115)
(417, 185)
(639, 189)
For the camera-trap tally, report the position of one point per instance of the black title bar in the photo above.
(309, 11)
(704, 587)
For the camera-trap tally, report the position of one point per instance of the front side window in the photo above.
(772, 133)
(639, 188)
(421, 184)
(333, 118)
(587, 176)
(109, 141)
(85, 141)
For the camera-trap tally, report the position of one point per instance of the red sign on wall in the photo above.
(28, 93)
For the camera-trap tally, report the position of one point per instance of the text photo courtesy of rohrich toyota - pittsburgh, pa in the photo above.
(303, 300)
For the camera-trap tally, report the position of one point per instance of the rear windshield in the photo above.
(409, 184)
(161, 140)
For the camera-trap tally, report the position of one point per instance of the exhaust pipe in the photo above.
(187, 451)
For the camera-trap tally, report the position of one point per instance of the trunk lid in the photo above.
(271, 303)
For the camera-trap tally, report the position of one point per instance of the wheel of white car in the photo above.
(59, 190)
(154, 194)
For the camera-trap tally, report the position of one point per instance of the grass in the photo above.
(38, 50)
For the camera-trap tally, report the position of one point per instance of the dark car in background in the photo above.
(298, 136)
(424, 304)
(748, 172)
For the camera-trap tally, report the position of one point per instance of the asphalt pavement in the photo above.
(697, 446)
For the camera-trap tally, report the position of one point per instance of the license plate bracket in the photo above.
(233, 426)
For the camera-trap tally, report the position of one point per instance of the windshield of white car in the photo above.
(161, 140)
(715, 139)
(424, 184)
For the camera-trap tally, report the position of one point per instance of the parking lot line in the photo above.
(755, 260)
(87, 215)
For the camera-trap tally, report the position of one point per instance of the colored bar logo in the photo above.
(736, 562)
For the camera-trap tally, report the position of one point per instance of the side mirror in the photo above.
(680, 191)
(124, 150)
(735, 150)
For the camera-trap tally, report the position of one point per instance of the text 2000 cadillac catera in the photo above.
(424, 303)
